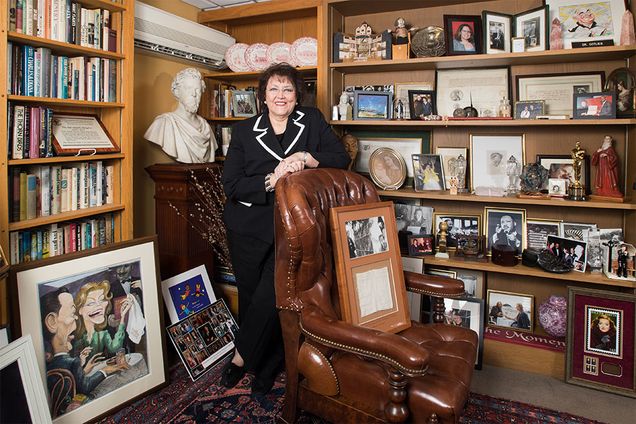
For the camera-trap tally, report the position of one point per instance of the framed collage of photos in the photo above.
(601, 336)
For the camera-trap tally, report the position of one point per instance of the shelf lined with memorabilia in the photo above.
(478, 92)
(67, 142)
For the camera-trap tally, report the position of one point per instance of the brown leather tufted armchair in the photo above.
(345, 373)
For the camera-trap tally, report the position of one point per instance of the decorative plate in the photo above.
(256, 57)
(304, 52)
(235, 57)
(279, 53)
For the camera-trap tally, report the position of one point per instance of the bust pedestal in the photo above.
(181, 247)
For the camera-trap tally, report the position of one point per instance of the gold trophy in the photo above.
(576, 190)
(441, 243)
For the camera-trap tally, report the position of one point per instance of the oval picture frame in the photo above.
(391, 178)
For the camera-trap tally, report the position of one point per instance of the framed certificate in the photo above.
(81, 135)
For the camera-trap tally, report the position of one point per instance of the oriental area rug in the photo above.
(206, 401)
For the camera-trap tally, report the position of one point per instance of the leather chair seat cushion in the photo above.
(443, 390)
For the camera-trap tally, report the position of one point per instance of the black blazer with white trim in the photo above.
(255, 151)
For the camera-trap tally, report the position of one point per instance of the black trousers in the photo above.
(259, 339)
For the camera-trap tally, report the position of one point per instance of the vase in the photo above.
(553, 316)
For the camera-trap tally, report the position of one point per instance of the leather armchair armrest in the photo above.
(406, 356)
(432, 285)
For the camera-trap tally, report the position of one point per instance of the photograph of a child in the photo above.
(429, 174)
(603, 331)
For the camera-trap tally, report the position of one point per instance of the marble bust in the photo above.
(182, 134)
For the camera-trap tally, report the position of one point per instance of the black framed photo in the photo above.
(467, 313)
(529, 109)
(372, 104)
(463, 34)
(572, 252)
(622, 81)
(560, 166)
(532, 25)
(599, 105)
(428, 171)
(497, 32)
(458, 225)
(421, 103)
(421, 244)
(505, 226)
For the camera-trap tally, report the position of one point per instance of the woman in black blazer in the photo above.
(283, 139)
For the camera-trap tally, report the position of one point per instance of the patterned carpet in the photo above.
(204, 401)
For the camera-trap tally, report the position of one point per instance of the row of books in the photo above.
(43, 190)
(36, 71)
(60, 239)
(30, 132)
(63, 20)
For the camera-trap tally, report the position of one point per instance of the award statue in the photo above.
(576, 190)
(441, 242)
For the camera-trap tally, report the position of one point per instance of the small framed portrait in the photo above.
(463, 34)
(558, 187)
(458, 226)
(421, 103)
(518, 44)
(601, 331)
(532, 25)
(402, 95)
(415, 219)
(560, 166)
(600, 105)
(529, 109)
(497, 32)
(243, 103)
(574, 230)
(429, 174)
(510, 310)
(372, 104)
(489, 155)
(387, 168)
(622, 82)
(538, 231)
(505, 226)
(454, 162)
(571, 252)
(421, 244)
(467, 313)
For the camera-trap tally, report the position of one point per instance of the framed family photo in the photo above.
(421, 103)
(244, 103)
(402, 94)
(387, 168)
(372, 104)
(510, 310)
(601, 336)
(458, 226)
(601, 105)
(187, 293)
(560, 166)
(421, 244)
(489, 155)
(368, 266)
(463, 34)
(70, 304)
(497, 32)
(533, 26)
(429, 173)
(572, 252)
(505, 226)
(529, 109)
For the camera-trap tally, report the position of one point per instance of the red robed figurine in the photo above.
(606, 161)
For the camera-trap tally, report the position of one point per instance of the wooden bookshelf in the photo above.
(64, 216)
(61, 47)
(485, 123)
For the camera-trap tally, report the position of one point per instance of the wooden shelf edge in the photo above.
(485, 123)
(65, 216)
(304, 70)
(59, 159)
(255, 10)
(446, 196)
(529, 271)
(105, 4)
(64, 102)
(62, 46)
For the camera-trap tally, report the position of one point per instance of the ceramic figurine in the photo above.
(628, 37)
(606, 161)
(183, 134)
(556, 35)
(345, 108)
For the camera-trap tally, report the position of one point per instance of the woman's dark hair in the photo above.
(284, 70)
(458, 33)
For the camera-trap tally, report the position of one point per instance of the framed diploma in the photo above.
(369, 268)
(81, 135)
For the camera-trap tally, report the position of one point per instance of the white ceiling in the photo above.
(217, 4)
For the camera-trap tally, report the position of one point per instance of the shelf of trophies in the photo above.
(483, 122)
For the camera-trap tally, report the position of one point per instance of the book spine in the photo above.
(92, 185)
(14, 247)
(41, 15)
(99, 177)
(84, 186)
(23, 196)
(34, 133)
(12, 15)
(45, 190)
(46, 243)
(53, 241)
(110, 196)
(74, 188)
(19, 13)
(31, 196)
(15, 195)
(56, 181)
(18, 132)
(64, 196)
(28, 17)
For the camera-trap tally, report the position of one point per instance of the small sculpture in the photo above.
(344, 107)
(399, 109)
(453, 182)
(556, 35)
(441, 242)
(504, 108)
(606, 161)
(460, 167)
(182, 133)
(351, 146)
(623, 257)
(402, 32)
(576, 190)
(533, 178)
(628, 37)
(623, 267)
(512, 171)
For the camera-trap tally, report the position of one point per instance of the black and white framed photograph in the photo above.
(529, 109)
(572, 252)
(510, 310)
(505, 227)
(415, 219)
(533, 26)
(429, 173)
(481, 88)
(497, 32)
(538, 231)
(421, 103)
(575, 230)
(489, 155)
(467, 313)
(22, 394)
(421, 244)
(454, 162)
(366, 236)
(560, 166)
(458, 225)
(243, 103)
(463, 34)
(600, 105)
(474, 281)
(558, 187)
(372, 104)
(401, 95)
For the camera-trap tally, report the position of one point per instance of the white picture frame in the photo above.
(450, 154)
(483, 88)
(489, 154)
(497, 32)
(402, 93)
(185, 284)
(405, 147)
(21, 351)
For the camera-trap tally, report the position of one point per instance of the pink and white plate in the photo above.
(304, 52)
(279, 52)
(235, 57)
(256, 57)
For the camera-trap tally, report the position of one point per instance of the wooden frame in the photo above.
(533, 26)
(453, 27)
(19, 368)
(369, 270)
(76, 278)
(497, 32)
(509, 310)
(187, 293)
(85, 125)
(601, 358)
